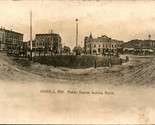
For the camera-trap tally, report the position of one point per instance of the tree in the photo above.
(55, 47)
(77, 50)
(66, 49)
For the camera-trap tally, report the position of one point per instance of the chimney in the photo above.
(51, 31)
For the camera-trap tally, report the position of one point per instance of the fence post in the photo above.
(39, 52)
(110, 64)
(120, 61)
(54, 62)
(95, 64)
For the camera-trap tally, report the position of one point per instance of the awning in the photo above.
(137, 50)
(130, 48)
(150, 50)
(145, 49)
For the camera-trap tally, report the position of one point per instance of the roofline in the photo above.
(48, 34)
(11, 31)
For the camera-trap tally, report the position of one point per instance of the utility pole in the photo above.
(76, 36)
(51, 49)
(110, 52)
(76, 32)
(31, 33)
(150, 42)
(149, 36)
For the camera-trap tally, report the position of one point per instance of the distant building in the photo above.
(10, 39)
(139, 46)
(102, 44)
(26, 45)
(49, 41)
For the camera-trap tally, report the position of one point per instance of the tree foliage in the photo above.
(66, 49)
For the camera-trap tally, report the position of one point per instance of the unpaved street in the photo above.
(120, 94)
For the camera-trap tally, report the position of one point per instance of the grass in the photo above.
(72, 61)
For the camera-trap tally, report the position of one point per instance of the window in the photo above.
(94, 51)
(99, 50)
(99, 45)
(94, 45)
(112, 46)
(103, 45)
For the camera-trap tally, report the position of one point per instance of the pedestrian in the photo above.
(127, 58)
(120, 61)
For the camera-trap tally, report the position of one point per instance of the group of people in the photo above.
(110, 54)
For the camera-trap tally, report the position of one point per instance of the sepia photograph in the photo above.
(77, 62)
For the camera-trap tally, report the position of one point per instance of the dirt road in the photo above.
(120, 94)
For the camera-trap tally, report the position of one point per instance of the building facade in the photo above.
(10, 39)
(49, 41)
(139, 46)
(26, 45)
(102, 45)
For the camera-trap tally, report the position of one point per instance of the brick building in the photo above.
(138, 46)
(50, 41)
(10, 39)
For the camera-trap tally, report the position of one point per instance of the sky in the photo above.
(121, 20)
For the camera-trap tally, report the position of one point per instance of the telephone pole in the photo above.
(77, 37)
(31, 33)
(76, 32)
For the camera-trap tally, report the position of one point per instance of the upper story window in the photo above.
(94, 45)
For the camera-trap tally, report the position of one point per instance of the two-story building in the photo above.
(139, 46)
(102, 44)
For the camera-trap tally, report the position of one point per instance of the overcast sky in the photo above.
(122, 20)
